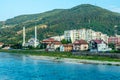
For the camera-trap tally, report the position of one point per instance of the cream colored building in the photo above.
(85, 34)
(58, 38)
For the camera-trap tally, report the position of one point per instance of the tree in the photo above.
(43, 45)
(69, 41)
(111, 45)
(64, 41)
(17, 46)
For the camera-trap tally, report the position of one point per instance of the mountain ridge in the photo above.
(56, 21)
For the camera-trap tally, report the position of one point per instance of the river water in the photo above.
(21, 67)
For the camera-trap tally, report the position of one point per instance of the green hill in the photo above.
(54, 22)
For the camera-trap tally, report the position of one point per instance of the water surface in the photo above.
(21, 67)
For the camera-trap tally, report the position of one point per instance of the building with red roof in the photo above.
(98, 45)
(66, 47)
(114, 40)
(52, 44)
(80, 45)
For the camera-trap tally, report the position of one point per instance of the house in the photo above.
(114, 40)
(98, 46)
(117, 46)
(50, 47)
(49, 40)
(80, 45)
(53, 46)
(6, 48)
(66, 47)
(1, 44)
(58, 38)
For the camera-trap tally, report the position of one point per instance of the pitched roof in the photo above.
(79, 42)
(98, 41)
(50, 40)
(55, 43)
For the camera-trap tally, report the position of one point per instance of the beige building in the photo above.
(80, 45)
(58, 38)
(66, 48)
(85, 34)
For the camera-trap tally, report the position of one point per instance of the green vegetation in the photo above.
(59, 55)
(82, 16)
(66, 41)
(111, 45)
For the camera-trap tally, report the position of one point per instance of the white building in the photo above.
(58, 38)
(85, 34)
(71, 34)
(98, 45)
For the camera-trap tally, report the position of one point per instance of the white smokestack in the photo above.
(23, 36)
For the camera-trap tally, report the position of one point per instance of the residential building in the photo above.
(104, 37)
(49, 41)
(50, 47)
(53, 46)
(114, 40)
(66, 47)
(80, 45)
(6, 47)
(98, 45)
(1, 44)
(58, 38)
(117, 46)
(85, 34)
(70, 34)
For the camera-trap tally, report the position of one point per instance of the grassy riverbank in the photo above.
(60, 55)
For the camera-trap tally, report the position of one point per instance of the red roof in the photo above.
(98, 41)
(50, 40)
(79, 42)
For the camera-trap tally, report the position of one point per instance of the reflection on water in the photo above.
(24, 59)
(21, 67)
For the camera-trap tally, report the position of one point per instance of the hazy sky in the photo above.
(12, 8)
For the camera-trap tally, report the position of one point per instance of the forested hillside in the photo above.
(54, 22)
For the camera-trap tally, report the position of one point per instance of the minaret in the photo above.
(23, 36)
(35, 45)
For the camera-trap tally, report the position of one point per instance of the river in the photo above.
(21, 67)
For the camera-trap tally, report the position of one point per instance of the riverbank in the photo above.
(72, 60)
(66, 57)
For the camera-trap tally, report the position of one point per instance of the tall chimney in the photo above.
(23, 36)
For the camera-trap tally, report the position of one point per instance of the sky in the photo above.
(12, 8)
